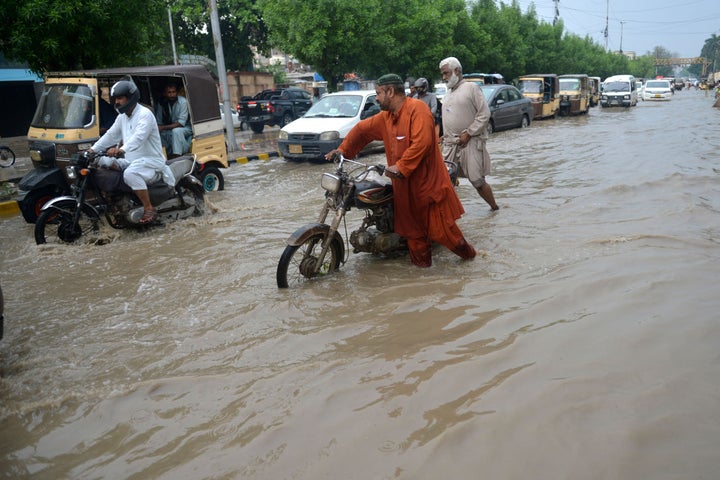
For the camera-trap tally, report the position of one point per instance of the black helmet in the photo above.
(125, 88)
(422, 83)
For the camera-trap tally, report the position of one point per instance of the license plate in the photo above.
(658, 96)
(295, 148)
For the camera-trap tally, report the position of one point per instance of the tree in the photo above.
(371, 37)
(241, 25)
(81, 34)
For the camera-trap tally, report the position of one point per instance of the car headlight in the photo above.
(626, 97)
(283, 135)
(330, 135)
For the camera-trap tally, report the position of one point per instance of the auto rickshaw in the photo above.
(542, 89)
(595, 83)
(574, 94)
(74, 111)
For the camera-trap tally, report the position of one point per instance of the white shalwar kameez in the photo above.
(139, 138)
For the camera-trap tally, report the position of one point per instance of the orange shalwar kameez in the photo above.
(426, 205)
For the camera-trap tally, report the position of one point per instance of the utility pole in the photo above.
(621, 35)
(557, 12)
(222, 73)
(172, 37)
(607, 17)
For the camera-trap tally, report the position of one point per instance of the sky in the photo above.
(680, 26)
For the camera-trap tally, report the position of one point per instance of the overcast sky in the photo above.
(680, 26)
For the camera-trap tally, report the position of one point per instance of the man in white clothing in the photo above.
(465, 116)
(135, 136)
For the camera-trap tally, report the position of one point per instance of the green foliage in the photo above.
(69, 34)
(241, 25)
(371, 37)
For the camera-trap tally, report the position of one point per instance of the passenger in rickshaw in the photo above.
(173, 119)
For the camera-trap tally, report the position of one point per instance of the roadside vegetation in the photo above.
(369, 38)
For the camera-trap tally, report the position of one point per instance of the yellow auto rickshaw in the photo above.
(574, 94)
(74, 111)
(542, 89)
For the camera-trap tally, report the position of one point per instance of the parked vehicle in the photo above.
(317, 249)
(484, 78)
(440, 90)
(595, 84)
(100, 192)
(325, 125)
(274, 107)
(574, 94)
(508, 108)
(543, 91)
(639, 87)
(657, 90)
(619, 91)
(237, 124)
(74, 110)
(7, 156)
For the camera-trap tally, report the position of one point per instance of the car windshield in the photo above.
(531, 86)
(617, 87)
(65, 106)
(336, 106)
(658, 84)
(488, 90)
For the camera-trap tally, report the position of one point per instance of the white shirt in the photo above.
(139, 138)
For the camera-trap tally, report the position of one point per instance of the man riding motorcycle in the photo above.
(135, 136)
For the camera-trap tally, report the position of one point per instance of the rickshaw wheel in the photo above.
(212, 180)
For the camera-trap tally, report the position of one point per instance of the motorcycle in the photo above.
(317, 249)
(100, 192)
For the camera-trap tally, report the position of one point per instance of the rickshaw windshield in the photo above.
(531, 86)
(570, 84)
(65, 106)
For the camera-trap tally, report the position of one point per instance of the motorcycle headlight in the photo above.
(330, 182)
(283, 135)
(43, 153)
(70, 171)
(329, 135)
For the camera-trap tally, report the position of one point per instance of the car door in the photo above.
(503, 110)
(514, 106)
(302, 101)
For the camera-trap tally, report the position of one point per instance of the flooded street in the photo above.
(581, 343)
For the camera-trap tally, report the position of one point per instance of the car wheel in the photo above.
(490, 127)
(257, 127)
(287, 118)
(525, 122)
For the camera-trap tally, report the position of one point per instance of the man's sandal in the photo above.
(149, 216)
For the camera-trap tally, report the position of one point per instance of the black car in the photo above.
(508, 108)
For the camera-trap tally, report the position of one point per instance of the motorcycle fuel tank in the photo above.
(370, 194)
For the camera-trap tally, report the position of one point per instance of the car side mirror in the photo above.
(499, 102)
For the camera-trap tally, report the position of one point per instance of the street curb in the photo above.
(259, 156)
(9, 208)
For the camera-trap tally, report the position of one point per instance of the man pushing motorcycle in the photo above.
(425, 202)
(134, 135)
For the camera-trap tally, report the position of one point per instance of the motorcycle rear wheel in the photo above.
(297, 261)
(56, 223)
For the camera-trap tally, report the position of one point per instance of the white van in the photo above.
(619, 91)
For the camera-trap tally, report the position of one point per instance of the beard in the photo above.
(453, 80)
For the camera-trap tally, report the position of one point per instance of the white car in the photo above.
(326, 124)
(235, 117)
(657, 90)
(440, 90)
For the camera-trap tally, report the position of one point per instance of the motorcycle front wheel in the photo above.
(297, 263)
(56, 223)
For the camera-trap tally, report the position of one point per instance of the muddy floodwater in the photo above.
(581, 343)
